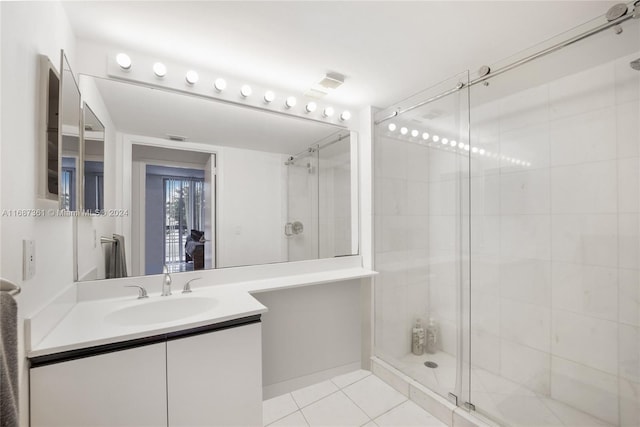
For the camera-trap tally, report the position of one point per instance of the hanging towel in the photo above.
(8, 361)
(117, 266)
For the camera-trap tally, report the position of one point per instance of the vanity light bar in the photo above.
(220, 85)
(425, 138)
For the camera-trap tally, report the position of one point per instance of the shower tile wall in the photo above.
(555, 245)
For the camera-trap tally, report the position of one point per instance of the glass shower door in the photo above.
(422, 237)
(301, 228)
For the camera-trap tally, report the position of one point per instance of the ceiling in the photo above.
(388, 50)
(158, 113)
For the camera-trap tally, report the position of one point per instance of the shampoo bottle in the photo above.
(417, 338)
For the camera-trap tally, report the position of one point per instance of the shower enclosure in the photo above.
(507, 210)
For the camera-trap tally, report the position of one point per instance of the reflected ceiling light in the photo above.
(346, 116)
(269, 96)
(404, 130)
(461, 145)
(311, 107)
(123, 61)
(474, 150)
(328, 112)
(466, 147)
(392, 127)
(436, 138)
(192, 77)
(290, 102)
(246, 91)
(414, 133)
(425, 136)
(453, 143)
(159, 69)
(220, 84)
(481, 151)
(445, 141)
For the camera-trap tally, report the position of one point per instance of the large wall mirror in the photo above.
(194, 183)
(69, 167)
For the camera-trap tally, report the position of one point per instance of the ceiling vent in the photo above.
(332, 80)
(176, 138)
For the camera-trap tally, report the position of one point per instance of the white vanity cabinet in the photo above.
(216, 379)
(122, 388)
(208, 377)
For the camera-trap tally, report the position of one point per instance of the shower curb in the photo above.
(436, 405)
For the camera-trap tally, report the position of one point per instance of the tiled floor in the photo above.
(354, 399)
(494, 396)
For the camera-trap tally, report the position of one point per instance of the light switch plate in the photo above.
(28, 259)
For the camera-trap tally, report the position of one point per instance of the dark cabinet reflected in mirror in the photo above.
(52, 142)
(93, 139)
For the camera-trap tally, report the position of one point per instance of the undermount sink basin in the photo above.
(167, 309)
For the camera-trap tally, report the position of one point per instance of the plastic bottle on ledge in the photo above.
(417, 338)
(432, 334)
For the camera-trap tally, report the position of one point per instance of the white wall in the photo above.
(29, 29)
(308, 332)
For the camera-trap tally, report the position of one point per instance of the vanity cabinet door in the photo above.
(215, 379)
(122, 388)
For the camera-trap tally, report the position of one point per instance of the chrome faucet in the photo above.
(187, 286)
(142, 292)
(166, 282)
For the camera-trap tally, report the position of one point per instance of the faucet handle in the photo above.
(142, 292)
(187, 286)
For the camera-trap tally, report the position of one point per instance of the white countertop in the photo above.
(87, 323)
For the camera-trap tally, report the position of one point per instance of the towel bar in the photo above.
(9, 286)
(104, 240)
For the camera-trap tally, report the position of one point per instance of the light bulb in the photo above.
(445, 141)
(220, 84)
(246, 91)
(310, 107)
(466, 147)
(404, 130)
(290, 102)
(414, 133)
(159, 69)
(474, 150)
(345, 116)
(123, 61)
(436, 138)
(482, 151)
(192, 77)
(453, 143)
(461, 145)
(269, 96)
(328, 112)
(392, 127)
(425, 136)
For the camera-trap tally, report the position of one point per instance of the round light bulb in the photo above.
(220, 84)
(269, 96)
(461, 145)
(290, 102)
(445, 141)
(425, 136)
(474, 150)
(453, 143)
(392, 127)
(466, 147)
(159, 69)
(345, 116)
(123, 61)
(481, 151)
(328, 112)
(192, 77)
(436, 138)
(310, 107)
(246, 91)
(404, 130)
